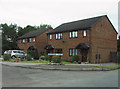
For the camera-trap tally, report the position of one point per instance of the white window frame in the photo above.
(72, 52)
(34, 39)
(59, 36)
(23, 40)
(30, 39)
(84, 33)
(50, 36)
(73, 34)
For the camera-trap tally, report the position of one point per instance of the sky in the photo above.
(55, 12)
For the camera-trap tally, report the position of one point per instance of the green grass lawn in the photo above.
(109, 66)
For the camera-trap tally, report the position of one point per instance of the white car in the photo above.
(16, 53)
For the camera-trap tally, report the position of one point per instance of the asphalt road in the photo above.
(23, 77)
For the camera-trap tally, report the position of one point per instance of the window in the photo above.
(34, 39)
(84, 33)
(73, 34)
(72, 52)
(23, 40)
(59, 36)
(50, 36)
(58, 50)
(29, 39)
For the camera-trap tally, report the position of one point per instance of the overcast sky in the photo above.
(55, 12)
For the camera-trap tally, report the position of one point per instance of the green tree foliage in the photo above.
(9, 36)
(75, 58)
(118, 44)
(28, 28)
(45, 26)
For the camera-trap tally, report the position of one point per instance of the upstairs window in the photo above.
(59, 36)
(73, 34)
(29, 40)
(23, 40)
(34, 39)
(72, 52)
(84, 33)
(50, 36)
(58, 50)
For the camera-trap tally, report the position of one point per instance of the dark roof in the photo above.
(77, 25)
(33, 33)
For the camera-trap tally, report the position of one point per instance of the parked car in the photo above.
(16, 53)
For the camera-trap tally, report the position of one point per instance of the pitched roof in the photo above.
(33, 33)
(77, 25)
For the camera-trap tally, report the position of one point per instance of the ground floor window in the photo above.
(58, 50)
(72, 52)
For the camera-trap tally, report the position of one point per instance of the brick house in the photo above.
(33, 40)
(91, 39)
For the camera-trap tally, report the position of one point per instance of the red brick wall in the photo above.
(103, 40)
(68, 43)
(40, 42)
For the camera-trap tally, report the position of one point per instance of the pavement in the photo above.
(66, 67)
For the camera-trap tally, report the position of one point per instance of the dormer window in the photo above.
(59, 36)
(84, 33)
(73, 34)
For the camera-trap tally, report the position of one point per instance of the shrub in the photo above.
(75, 58)
(28, 57)
(6, 57)
(33, 53)
(56, 59)
(42, 57)
(46, 57)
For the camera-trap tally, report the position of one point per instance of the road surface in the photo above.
(23, 77)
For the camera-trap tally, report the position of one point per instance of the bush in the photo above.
(56, 59)
(28, 57)
(33, 53)
(75, 58)
(42, 57)
(46, 57)
(6, 57)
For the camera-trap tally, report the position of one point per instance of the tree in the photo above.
(9, 36)
(45, 26)
(28, 28)
(118, 44)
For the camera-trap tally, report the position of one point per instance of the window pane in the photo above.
(61, 35)
(84, 33)
(73, 34)
(50, 37)
(76, 52)
(33, 39)
(56, 36)
(70, 34)
(76, 33)
(58, 50)
(73, 52)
